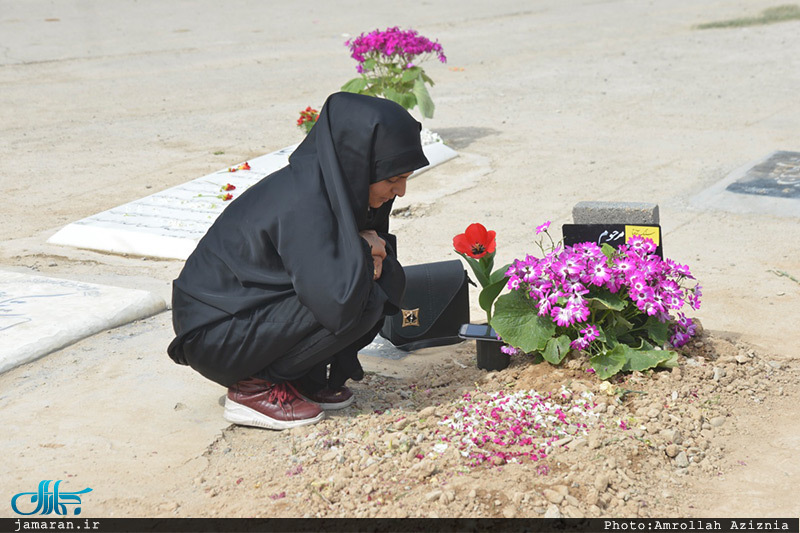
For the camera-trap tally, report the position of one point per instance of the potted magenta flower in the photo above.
(388, 62)
(622, 307)
(477, 246)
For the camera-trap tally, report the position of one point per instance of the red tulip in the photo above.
(475, 242)
(228, 187)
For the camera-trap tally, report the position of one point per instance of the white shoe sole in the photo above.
(242, 415)
(332, 406)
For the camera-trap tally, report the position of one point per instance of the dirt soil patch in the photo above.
(630, 447)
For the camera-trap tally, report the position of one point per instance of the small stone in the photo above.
(561, 489)
(509, 511)
(672, 435)
(553, 496)
(498, 461)
(742, 359)
(561, 442)
(719, 373)
(775, 364)
(681, 460)
(433, 495)
(601, 482)
(423, 469)
(401, 424)
(672, 450)
(594, 441)
(717, 421)
(572, 511)
(472, 494)
(552, 512)
(168, 507)
(449, 496)
(577, 444)
(428, 411)
(330, 456)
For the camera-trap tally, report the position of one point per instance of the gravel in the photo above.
(400, 450)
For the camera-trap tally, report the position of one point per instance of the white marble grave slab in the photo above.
(39, 315)
(168, 224)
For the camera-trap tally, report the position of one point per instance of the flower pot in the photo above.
(489, 355)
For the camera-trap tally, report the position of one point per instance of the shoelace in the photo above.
(283, 393)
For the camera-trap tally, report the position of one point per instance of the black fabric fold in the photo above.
(285, 259)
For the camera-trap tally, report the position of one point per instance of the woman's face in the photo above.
(383, 191)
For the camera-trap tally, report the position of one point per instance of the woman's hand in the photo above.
(376, 244)
(378, 248)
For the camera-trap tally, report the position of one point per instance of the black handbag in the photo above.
(434, 306)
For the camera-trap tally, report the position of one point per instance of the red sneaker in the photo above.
(330, 399)
(259, 403)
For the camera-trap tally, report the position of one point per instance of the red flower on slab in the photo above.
(228, 187)
(243, 166)
(475, 242)
(225, 197)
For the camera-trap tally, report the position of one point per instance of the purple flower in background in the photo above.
(391, 43)
(542, 227)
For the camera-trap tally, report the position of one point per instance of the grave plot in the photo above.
(39, 315)
(168, 224)
(769, 186)
(778, 175)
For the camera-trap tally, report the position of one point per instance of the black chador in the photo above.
(282, 283)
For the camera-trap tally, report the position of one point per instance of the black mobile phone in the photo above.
(476, 331)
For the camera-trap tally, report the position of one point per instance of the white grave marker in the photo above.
(39, 315)
(169, 223)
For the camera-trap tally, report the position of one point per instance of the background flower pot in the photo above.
(489, 355)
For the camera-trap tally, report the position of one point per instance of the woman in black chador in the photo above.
(298, 273)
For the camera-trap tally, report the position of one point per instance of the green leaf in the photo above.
(608, 363)
(489, 294)
(619, 326)
(499, 274)
(657, 330)
(410, 74)
(556, 349)
(670, 362)
(487, 262)
(608, 250)
(607, 300)
(638, 360)
(516, 321)
(369, 64)
(477, 269)
(423, 98)
(356, 85)
(408, 101)
(426, 78)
